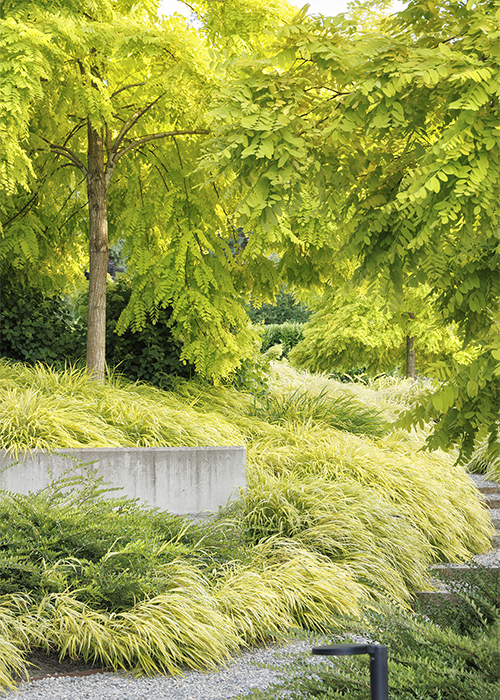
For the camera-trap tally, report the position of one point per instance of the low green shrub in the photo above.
(285, 334)
(425, 662)
(474, 604)
(68, 535)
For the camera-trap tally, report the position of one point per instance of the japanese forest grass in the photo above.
(331, 519)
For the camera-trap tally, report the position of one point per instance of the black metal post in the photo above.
(379, 679)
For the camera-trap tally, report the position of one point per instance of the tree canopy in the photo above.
(391, 132)
(362, 149)
(104, 109)
(355, 329)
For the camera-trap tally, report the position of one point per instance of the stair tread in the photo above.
(479, 480)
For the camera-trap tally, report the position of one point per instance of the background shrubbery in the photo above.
(150, 355)
(37, 328)
(285, 334)
(286, 308)
(51, 329)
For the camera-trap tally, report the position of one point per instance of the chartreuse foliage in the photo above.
(111, 67)
(331, 520)
(286, 335)
(482, 463)
(358, 328)
(466, 406)
(43, 409)
(392, 133)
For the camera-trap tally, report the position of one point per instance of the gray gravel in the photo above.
(239, 677)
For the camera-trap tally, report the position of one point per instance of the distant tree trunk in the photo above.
(99, 255)
(410, 353)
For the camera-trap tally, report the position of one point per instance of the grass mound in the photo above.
(341, 511)
(41, 408)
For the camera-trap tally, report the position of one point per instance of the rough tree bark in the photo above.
(410, 353)
(99, 255)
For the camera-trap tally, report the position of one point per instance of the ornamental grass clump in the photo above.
(14, 639)
(306, 407)
(428, 491)
(342, 512)
(44, 409)
(165, 633)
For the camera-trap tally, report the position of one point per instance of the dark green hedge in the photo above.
(150, 355)
(37, 328)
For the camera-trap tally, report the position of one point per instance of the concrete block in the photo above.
(180, 480)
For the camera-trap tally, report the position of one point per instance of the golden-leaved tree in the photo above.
(104, 108)
(391, 131)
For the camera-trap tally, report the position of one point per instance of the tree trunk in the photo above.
(99, 255)
(410, 353)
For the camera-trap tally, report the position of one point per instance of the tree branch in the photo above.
(127, 87)
(72, 215)
(70, 195)
(146, 139)
(18, 213)
(325, 87)
(157, 167)
(130, 123)
(185, 184)
(74, 131)
(114, 155)
(68, 153)
(321, 104)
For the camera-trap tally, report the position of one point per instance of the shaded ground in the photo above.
(48, 665)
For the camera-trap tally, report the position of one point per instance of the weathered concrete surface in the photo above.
(181, 480)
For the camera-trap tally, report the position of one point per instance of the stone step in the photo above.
(455, 570)
(496, 523)
(495, 542)
(489, 488)
(436, 596)
(492, 501)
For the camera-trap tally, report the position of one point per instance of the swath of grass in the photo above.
(427, 490)
(352, 519)
(43, 409)
(304, 406)
(352, 526)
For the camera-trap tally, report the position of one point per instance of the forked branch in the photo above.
(128, 125)
(161, 135)
(68, 153)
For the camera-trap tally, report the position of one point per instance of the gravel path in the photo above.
(239, 677)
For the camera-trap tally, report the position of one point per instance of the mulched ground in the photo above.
(49, 665)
